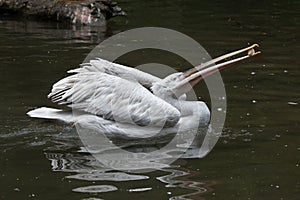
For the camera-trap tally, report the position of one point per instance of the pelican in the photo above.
(124, 101)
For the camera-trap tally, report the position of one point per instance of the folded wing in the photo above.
(114, 98)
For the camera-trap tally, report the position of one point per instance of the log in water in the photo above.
(89, 12)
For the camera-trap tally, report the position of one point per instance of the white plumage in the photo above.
(124, 101)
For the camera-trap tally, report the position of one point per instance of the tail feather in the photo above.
(52, 113)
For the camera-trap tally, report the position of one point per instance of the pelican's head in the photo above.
(177, 84)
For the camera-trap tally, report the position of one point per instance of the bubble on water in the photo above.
(31, 195)
(247, 140)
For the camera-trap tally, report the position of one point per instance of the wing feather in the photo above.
(118, 70)
(114, 98)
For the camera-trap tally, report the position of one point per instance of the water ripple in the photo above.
(95, 189)
(113, 176)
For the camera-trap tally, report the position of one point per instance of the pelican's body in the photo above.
(120, 100)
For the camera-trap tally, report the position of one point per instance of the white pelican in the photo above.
(125, 101)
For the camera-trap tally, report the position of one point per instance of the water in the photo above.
(257, 156)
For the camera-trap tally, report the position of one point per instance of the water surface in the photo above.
(258, 155)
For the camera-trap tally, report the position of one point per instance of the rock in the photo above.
(88, 12)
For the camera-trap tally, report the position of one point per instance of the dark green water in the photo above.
(258, 156)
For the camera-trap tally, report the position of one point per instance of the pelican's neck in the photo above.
(186, 107)
(160, 90)
(197, 109)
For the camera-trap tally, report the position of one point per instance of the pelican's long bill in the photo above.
(194, 75)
